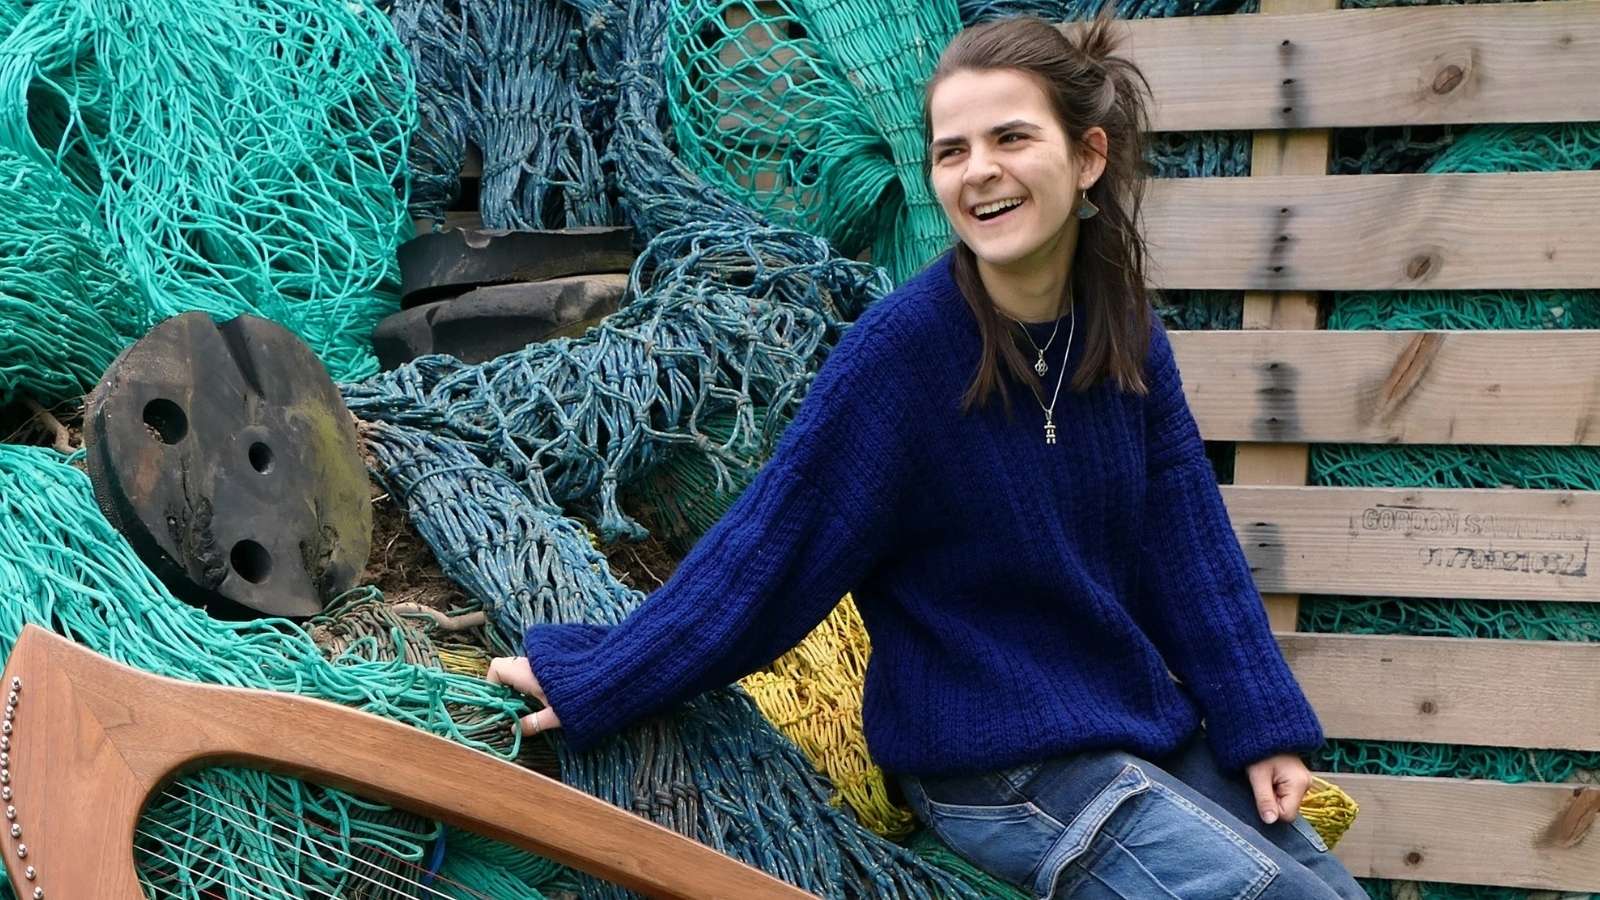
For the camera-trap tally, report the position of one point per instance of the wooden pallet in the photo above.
(1291, 229)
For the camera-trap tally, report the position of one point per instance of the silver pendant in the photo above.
(1049, 432)
(1040, 366)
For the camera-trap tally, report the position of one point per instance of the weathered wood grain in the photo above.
(1382, 387)
(1485, 544)
(1282, 153)
(1451, 690)
(1524, 62)
(1376, 232)
(1473, 832)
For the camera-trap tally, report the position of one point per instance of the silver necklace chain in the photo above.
(1040, 366)
(1050, 411)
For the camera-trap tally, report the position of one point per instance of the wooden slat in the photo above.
(1451, 690)
(1304, 152)
(1376, 232)
(1483, 544)
(1379, 387)
(1524, 62)
(1471, 832)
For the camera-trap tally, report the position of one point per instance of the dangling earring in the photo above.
(1086, 208)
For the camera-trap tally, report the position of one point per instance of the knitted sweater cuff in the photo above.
(1290, 727)
(561, 658)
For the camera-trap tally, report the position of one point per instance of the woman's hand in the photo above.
(514, 671)
(1280, 783)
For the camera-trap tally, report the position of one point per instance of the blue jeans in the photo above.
(1107, 825)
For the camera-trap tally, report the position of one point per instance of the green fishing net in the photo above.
(68, 305)
(811, 112)
(243, 155)
(234, 830)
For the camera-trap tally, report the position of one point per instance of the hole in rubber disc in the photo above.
(251, 561)
(261, 457)
(166, 420)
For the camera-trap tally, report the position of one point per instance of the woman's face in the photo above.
(1002, 165)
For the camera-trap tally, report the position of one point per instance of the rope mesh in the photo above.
(244, 156)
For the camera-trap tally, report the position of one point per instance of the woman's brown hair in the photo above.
(1087, 85)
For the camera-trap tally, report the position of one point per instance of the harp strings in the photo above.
(182, 843)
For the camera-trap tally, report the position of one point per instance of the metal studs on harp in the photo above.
(16, 830)
(5, 776)
(11, 813)
(29, 873)
(16, 682)
(38, 893)
(22, 851)
(5, 727)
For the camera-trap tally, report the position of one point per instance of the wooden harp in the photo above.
(87, 741)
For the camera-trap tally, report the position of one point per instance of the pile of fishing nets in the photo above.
(243, 156)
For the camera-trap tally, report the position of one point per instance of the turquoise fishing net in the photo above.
(503, 78)
(810, 112)
(68, 304)
(243, 155)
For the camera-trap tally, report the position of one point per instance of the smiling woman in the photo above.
(1035, 148)
(1029, 135)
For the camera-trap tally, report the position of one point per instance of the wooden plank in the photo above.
(1472, 832)
(1383, 387)
(1393, 542)
(1304, 152)
(1451, 690)
(1376, 232)
(1524, 62)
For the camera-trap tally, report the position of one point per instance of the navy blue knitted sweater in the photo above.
(1023, 599)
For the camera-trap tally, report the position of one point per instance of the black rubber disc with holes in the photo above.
(227, 457)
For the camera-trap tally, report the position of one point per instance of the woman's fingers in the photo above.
(514, 672)
(543, 720)
(1292, 789)
(1279, 784)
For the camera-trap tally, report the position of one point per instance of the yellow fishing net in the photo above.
(813, 695)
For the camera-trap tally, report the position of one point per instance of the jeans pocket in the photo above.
(1007, 840)
(1160, 845)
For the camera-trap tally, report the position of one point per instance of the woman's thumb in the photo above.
(1266, 795)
